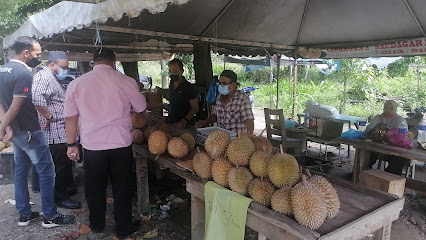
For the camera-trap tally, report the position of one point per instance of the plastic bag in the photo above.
(353, 134)
(395, 138)
(212, 91)
(319, 110)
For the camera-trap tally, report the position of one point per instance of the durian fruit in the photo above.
(283, 170)
(138, 136)
(330, 196)
(2, 146)
(239, 179)
(308, 205)
(139, 120)
(259, 163)
(177, 147)
(261, 191)
(189, 140)
(148, 130)
(202, 164)
(250, 135)
(216, 143)
(263, 144)
(240, 150)
(281, 200)
(157, 142)
(220, 170)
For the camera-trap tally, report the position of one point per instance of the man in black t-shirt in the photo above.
(183, 97)
(20, 125)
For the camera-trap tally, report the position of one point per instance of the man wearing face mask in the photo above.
(49, 99)
(183, 97)
(20, 125)
(233, 108)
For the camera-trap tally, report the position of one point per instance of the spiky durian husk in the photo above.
(202, 165)
(281, 200)
(216, 143)
(177, 147)
(259, 163)
(189, 140)
(308, 205)
(261, 191)
(239, 179)
(329, 194)
(239, 151)
(220, 170)
(157, 142)
(283, 170)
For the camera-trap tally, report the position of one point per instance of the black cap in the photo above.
(104, 54)
(229, 74)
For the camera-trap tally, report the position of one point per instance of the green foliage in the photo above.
(400, 67)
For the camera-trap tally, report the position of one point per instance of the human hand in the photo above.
(202, 123)
(45, 124)
(73, 153)
(181, 125)
(8, 133)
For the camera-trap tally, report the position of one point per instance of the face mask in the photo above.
(33, 62)
(174, 77)
(223, 90)
(62, 74)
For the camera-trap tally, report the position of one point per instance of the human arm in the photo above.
(373, 123)
(250, 125)
(46, 114)
(71, 132)
(10, 115)
(212, 119)
(189, 115)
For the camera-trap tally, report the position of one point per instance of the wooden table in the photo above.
(363, 210)
(365, 147)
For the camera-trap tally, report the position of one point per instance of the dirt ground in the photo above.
(174, 224)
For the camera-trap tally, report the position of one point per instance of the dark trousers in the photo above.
(117, 164)
(396, 164)
(63, 169)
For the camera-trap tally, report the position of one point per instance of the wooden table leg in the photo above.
(356, 168)
(197, 218)
(383, 233)
(142, 182)
(361, 162)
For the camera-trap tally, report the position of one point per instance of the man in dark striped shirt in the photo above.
(49, 98)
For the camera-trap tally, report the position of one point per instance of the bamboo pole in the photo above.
(293, 108)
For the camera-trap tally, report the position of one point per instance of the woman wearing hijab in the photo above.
(391, 119)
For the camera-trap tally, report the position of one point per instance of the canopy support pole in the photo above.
(415, 18)
(278, 79)
(293, 109)
(217, 18)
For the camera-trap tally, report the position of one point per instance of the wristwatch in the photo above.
(50, 117)
(72, 144)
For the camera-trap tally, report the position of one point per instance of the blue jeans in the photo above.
(32, 148)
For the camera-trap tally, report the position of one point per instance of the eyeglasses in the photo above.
(63, 67)
(223, 84)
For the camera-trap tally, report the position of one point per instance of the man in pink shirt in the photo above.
(100, 101)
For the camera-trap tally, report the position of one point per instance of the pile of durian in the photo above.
(247, 165)
(156, 133)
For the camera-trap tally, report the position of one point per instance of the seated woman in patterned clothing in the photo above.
(233, 108)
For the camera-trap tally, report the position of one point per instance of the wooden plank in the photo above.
(367, 224)
(186, 164)
(383, 181)
(357, 187)
(197, 218)
(142, 183)
(261, 237)
(273, 225)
